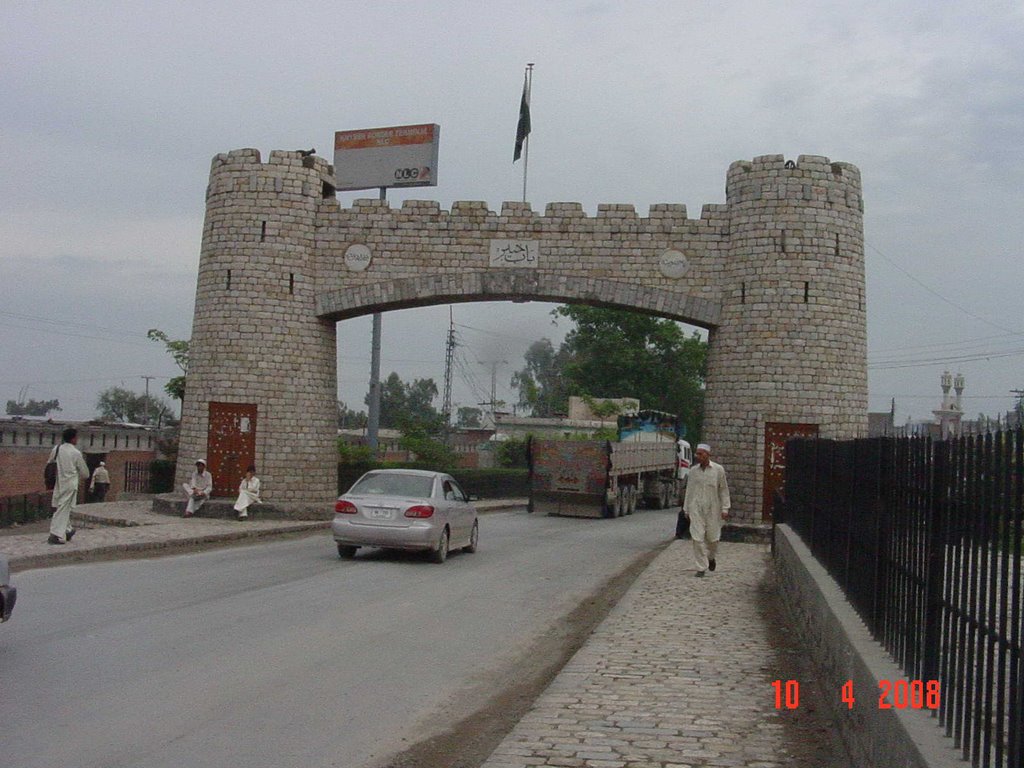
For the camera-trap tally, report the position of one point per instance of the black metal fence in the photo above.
(925, 539)
(24, 508)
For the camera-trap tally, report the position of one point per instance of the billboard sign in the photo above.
(400, 156)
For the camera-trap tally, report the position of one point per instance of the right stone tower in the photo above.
(789, 357)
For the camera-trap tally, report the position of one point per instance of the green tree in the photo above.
(469, 418)
(427, 447)
(511, 453)
(616, 353)
(32, 407)
(178, 350)
(354, 454)
(118, 404)
(409, 407)
(350, 419)
(540, 384)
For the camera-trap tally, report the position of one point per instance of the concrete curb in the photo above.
(68, 556)
(843, 650)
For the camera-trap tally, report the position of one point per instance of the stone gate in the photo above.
(776, 275)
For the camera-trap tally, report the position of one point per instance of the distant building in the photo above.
(951, 411)
(26, 442)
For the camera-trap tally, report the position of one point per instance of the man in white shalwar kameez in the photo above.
(706, 504)
(71, 468)
(198, 488)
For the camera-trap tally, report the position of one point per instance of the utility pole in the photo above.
(373, 417)
(449, 353)
(148, 403)
(494, 384)
(1020, 405)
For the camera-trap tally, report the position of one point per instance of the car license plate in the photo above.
(380, 513)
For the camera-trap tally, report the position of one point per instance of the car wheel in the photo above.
(346, 551)
(474, 538)
(440, 554)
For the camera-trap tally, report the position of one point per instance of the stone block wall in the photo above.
(776, 274)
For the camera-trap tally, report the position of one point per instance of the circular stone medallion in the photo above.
(357, 257)
(674, 264)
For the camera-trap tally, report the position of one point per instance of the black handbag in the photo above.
(50, 472)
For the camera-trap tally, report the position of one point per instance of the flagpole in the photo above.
(526, 141)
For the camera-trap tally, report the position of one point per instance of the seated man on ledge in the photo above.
(198, 488)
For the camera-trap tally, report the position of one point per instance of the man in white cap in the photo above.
(198, 488)
(100, 482)
(706, 504)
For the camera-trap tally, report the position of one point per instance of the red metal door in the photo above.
(776, 433)
(230, 444)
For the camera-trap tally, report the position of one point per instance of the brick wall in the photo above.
(25, 447)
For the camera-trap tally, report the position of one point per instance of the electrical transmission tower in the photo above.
(449, 353)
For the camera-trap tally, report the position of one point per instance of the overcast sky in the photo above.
(112, 111)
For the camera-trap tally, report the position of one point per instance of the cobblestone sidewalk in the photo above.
(679, 675)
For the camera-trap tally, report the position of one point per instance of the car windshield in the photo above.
(394, 484)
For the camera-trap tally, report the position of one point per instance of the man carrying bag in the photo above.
(71, 468)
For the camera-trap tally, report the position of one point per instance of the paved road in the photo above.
(282, 654)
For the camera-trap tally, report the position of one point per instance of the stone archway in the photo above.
(776, 274)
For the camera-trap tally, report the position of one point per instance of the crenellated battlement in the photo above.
(659, 214)
(810, 179)
(242, 170)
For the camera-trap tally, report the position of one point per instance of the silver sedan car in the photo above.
(405, 509)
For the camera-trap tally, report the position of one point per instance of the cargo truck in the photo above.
(597, 478)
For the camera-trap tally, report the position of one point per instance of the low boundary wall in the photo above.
(842, 649)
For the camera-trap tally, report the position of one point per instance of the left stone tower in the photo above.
(262, 381)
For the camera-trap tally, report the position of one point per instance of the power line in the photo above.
(940, 344)
(939, 296)
(895, 365)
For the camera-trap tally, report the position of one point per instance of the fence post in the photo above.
(935, 565)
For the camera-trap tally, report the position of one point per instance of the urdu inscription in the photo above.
(515, 253)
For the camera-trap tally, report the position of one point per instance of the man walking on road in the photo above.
(706, 504)
(71, 467)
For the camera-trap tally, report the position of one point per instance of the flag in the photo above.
(523, 129)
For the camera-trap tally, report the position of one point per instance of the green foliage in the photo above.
(511, 453)
(615, 353)
(352, 455)
(32, 407)
(428, 449)
(605, 433)
(118, 404)
(167, 444)
(350, 419)
(409, 407)
(540, 384)
(178, 350)
(469, 418)
(603, 408)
